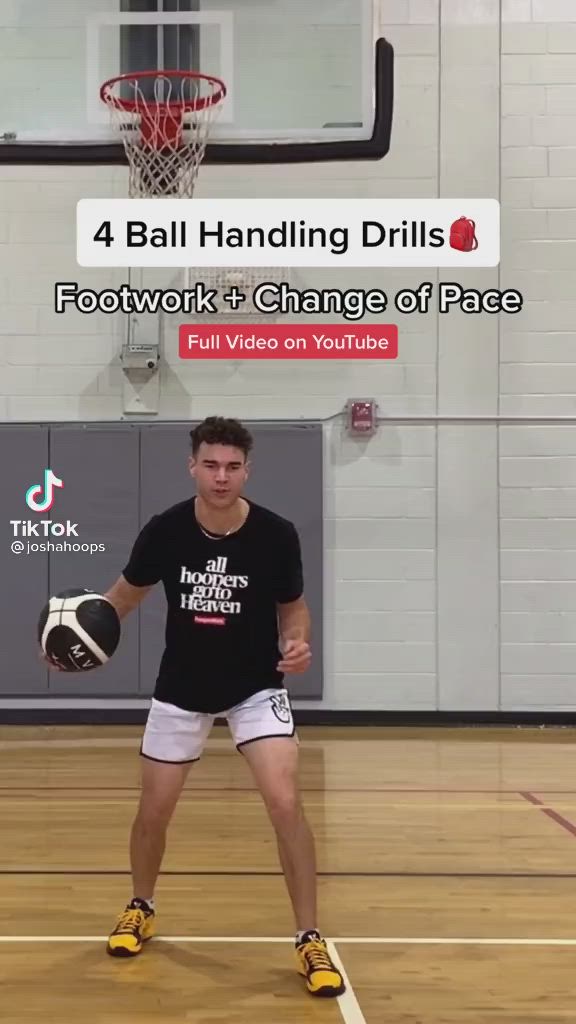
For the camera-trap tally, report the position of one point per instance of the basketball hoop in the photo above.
(163, 119)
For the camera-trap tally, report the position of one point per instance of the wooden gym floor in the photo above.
(447, 881)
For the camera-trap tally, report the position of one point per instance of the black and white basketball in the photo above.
(78, 630)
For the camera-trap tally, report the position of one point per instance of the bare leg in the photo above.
(274, 764)
(298, 859)
(161, 788)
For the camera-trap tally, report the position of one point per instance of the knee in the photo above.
(284, 808)
(153, 817)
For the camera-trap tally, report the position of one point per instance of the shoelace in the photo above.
(130, 921)
(317, 956)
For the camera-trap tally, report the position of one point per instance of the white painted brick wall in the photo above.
(538, 361)
(447, 548)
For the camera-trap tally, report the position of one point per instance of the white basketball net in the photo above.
(164, 132)
(246, 280)
(165, 129)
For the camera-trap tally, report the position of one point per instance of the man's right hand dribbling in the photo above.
(53, 665)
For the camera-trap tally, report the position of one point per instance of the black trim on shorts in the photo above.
(269, 736)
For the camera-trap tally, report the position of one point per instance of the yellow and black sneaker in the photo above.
(135, 926)
(314, 964)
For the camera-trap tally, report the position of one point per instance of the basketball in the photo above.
(79, 630)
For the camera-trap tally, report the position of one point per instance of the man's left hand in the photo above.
(296, 657)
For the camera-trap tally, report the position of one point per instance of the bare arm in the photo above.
(294, 630)
(125, 597)
(294, 621)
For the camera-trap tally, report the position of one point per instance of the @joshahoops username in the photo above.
(20, 547)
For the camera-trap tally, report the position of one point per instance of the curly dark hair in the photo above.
(221, 430)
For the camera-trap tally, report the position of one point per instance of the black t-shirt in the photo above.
(222, 596)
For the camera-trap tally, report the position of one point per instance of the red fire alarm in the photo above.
(362, 417)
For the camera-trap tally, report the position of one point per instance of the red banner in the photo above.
(288, 341)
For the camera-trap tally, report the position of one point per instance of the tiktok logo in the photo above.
(40, 501)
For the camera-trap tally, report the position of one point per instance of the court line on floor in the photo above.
(347, 1003)
(304, 789)
(122, 872)
(564, 823)
(429, 807)
(368, 940)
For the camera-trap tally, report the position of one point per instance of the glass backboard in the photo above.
(298, 73)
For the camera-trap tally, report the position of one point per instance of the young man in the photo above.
(237, 622)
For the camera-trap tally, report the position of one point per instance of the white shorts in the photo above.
(175, 736)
